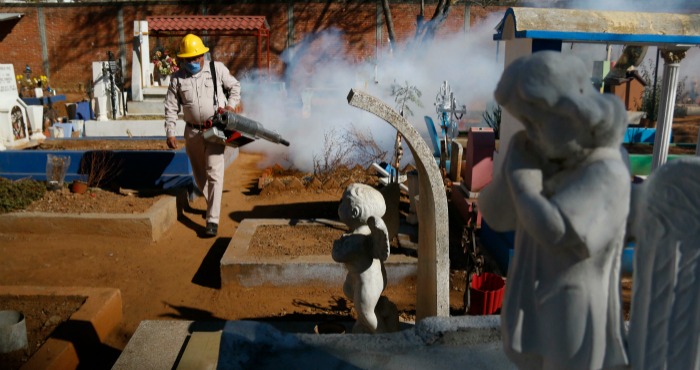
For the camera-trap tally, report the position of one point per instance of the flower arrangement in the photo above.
(164, 63)
(24, 81)
(27, 85)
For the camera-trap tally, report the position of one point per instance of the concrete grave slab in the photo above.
(89, 326)
(239, 266)
(150, 225)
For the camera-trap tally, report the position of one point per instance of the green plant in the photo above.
(652, 94)
(17, 195)
(493, 119)
(681, 96)
(403, 95)
(650, 97)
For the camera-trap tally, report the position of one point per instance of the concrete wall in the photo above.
(76, 34)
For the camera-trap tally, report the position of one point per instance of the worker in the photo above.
(200, 90)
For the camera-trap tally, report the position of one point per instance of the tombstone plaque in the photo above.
(101, 91)
(14, 131)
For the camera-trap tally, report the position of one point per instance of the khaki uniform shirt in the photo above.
(195, 93)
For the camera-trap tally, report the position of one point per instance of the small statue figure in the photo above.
(565, 190)
(363, 250)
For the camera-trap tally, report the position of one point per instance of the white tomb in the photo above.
(141, 66)
(20, 124)
(102, 89)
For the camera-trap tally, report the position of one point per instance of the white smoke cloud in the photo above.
(320, 73)
(319, 77)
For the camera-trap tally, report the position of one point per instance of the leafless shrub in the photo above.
(99, 168)
(347, 149)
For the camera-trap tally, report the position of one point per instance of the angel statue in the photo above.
(565, 190)
(363, 250)
(665, 318)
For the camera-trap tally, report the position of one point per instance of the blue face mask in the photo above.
(193, 67)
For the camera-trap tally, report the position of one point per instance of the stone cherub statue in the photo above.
(565, 189)
(363, 250)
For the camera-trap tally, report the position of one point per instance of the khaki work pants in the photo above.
(208, 165)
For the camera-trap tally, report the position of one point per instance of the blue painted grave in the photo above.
(641, 135)
(133, 169)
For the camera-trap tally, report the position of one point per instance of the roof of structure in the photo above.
(10, 16)
(207, 24)
(575, 25)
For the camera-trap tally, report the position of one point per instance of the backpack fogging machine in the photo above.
(234, 130)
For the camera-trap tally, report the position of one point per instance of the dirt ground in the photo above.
(177, 278)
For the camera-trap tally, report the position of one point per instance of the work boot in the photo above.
(211, 229)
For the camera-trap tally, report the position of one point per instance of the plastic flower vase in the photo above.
(486, 294)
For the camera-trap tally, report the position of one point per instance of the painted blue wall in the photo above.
(137, 169)
(500, 246)
(641, 135)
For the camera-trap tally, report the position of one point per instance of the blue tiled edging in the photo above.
(137, 168)
(500, 246)
(640, 135)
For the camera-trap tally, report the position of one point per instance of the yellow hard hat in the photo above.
(191, 46)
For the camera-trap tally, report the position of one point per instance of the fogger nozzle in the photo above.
(235, 122)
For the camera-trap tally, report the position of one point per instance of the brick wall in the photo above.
(78, 34)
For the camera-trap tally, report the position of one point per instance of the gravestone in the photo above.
(141, 74)
(478, 170)
(14, 128)
(102, 87)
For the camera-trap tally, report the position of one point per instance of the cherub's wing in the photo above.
(380, 238)
(665, 317)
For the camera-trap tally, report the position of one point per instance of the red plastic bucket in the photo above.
(486, 294)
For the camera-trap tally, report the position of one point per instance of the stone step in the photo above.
(153, 101)
(146, 107)
(446, 343)
(155, 91)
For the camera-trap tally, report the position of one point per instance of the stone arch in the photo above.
(433, 234)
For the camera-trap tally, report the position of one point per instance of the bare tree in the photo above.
(389, 23)
(425, 31)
